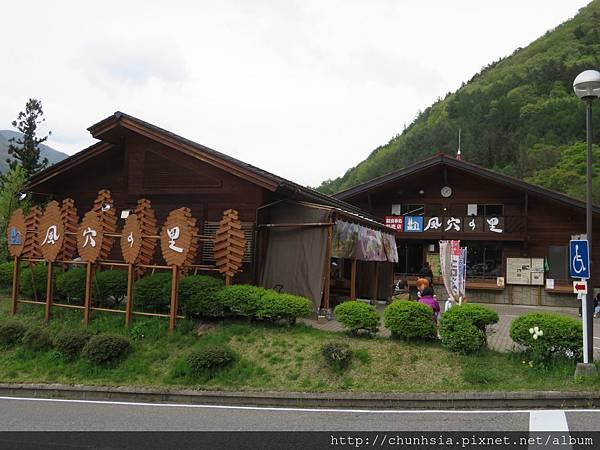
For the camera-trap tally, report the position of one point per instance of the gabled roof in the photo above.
(449, 161)
(109, 131)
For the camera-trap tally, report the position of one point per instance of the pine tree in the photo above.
(25, 150)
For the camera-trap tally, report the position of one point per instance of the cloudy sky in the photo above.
(304, 89)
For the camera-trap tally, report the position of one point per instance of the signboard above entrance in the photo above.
(447, 224)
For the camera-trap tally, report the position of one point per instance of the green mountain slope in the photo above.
(518, 115)
(53, 155)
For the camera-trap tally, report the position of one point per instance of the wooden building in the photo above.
(135, 159)
(506, 224)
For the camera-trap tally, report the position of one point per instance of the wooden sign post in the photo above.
(131, 244)
(16, 234)
(230, 245)
(51, 235)
(179, 244)
(90, 239)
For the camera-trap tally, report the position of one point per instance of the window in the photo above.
(558, 262)
(484, 259)
(210, 229)
(414, 210)
(396, 210)
(490, 210)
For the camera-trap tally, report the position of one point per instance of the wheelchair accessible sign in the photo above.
(579, 259)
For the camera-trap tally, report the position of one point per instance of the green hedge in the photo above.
(106, 348)
(241, 299)
(561, 334)
(210, 358)
(109, 287)
(149, 293)
(463, 327)
(11, 332)
(6, 274)
(198, 296)
(70, 342)
(358, 317)
(37, 338)
(40, 275)
(70, 285)
(409, 319)
(288, 307)
(337, 354)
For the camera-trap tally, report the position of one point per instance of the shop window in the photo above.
(415, 210)
(484, 259)
(490, 210)
(558, 262)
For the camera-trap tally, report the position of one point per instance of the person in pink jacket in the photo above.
(428, 299)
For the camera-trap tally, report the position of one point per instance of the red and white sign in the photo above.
(580, 287)
(394, 222)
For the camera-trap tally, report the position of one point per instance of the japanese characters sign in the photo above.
(446, 224)
(90, 237)
(51, 232)
(131, 239)
(177, 238)
(16, 233)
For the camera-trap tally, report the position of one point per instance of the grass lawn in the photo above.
(274, 358)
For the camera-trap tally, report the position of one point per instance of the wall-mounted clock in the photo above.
(446, 191)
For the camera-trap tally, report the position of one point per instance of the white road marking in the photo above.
(265, 408)
(548, 420)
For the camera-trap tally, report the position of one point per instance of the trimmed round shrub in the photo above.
(210, 358)
(560, 334)
(6, 274)
(70, 285)
(70, 342)
(198, 296)
(241, 299)
(409, 319)
(11, 332)
(104, 349)
(288, 307)
(463, 327)
(358, 317)
(40, 275)
(337, 354)
(149, 293)
(109, 287)
(37, 338)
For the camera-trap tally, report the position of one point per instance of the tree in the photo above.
(25, 150)
(13, 182)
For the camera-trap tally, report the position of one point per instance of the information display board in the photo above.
(525, 271)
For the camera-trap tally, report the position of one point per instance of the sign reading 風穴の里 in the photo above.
(131, 239)
(89, 237)
(447, 224)
(177, 238)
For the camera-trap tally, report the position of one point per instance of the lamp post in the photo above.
(587, 88)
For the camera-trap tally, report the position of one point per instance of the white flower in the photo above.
(531, 331)
(541, 333)
(535, 336)
(536, 329)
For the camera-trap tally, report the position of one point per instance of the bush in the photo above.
(198, 296)
(149, 292)
(409, 319)
(358, 317)
(561, 334)
(241, 299)
(463, 328)
(210, 358)
(70, 342)
(288, 307)
(110, 287)
(104, 349)
(337, 354)
(37, 338)
(40, 275)
(11, 332)
(71, 285)
(6, 274)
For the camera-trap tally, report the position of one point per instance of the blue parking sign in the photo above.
(579, 259)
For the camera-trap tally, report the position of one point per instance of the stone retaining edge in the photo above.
(360, 400)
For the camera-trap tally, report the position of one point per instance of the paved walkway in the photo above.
(498, 334)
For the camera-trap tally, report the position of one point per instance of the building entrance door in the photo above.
(410, 258)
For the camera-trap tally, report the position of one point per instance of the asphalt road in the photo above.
(74, 415)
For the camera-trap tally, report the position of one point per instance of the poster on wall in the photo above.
(518, 271)
(537, 271)
(434, 263)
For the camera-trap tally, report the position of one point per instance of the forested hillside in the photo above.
(518, 116)
(46, 151)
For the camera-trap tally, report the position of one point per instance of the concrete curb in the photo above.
(427, 400)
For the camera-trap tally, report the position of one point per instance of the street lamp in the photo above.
(587, 88)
